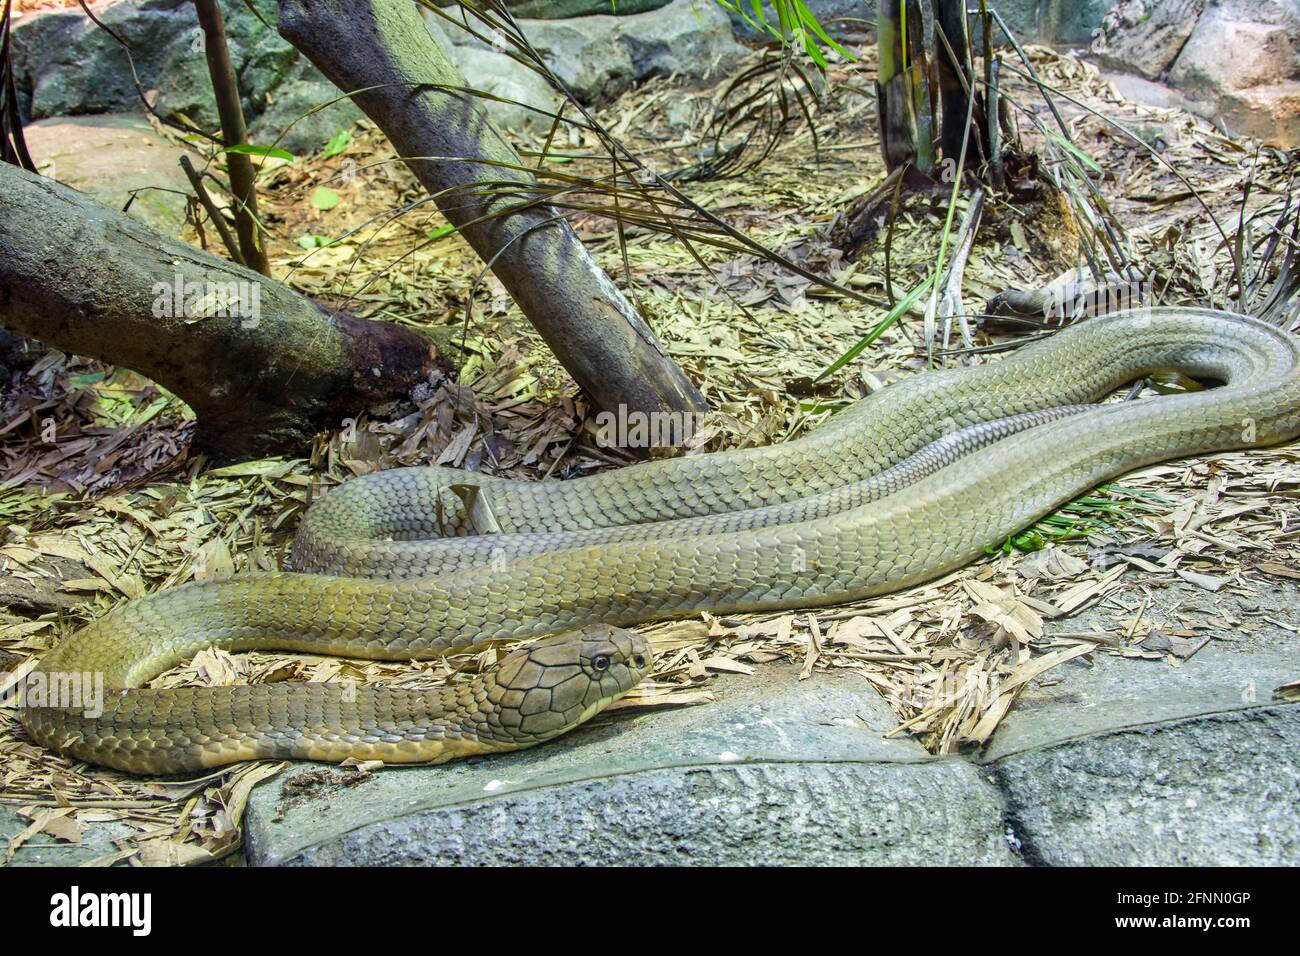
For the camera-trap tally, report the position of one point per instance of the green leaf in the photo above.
(807, 18)
(1090, 163)
(324, 199)
(878, 330)
(812, 407)
(247, 149)
(262, 468)
(315, 242)
(336, 145)
(441, 231)
(814, 52)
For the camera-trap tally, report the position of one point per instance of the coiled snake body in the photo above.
(422, 561)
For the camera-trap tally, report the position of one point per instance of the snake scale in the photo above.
(905, 485)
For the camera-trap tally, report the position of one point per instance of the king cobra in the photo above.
(905, 485)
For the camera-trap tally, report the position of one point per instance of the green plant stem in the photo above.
(243, 180)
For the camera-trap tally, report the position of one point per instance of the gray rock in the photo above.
(753, 815)
(1217, 790)
(1114, 695)
(1070, 22)
(287, 119)
(110, 155)
(585, 56)
(44, 850)
(1022, 17)
(1236, 670)
(1269, 113)
(1264, 40)
(1122, 762)
(495, 72)
(500, 75)
(1145, 36)
(776, 771)
(71, 66)
(1059, 22)
(683, 39)
(599, 57)
(66, 65)
(1253, 89)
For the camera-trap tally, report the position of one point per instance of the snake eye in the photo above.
(600, 662)
(639, 661)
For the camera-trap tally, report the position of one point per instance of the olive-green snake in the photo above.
(444, 559)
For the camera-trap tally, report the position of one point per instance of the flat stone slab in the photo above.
(1237, 670)
(1127, 762)
(778, 770)
(41, 849)
(1217, 790)
(108, 156)
(1115, 762)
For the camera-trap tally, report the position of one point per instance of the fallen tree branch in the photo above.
(263, 367)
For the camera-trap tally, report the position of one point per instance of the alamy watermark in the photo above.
(1081, 300)
(75, 908)
(76, 690)
(191, 301)
(943, 690)
(636, 429)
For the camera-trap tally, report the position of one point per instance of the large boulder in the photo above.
(1269, 113)
(562, 9)
(499, 75)
(598, 57)
(1237, 44)
(686, 39)
(587, 59)
(118, 159)
(1070, 22)
(68, 66)
(65, 65)
(493, 72)
(1238, 60)
(1062, 22)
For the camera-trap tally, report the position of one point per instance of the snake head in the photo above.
(558, 682)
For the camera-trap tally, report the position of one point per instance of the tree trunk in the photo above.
(383, 50)
(263, 367)
(950, 57)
